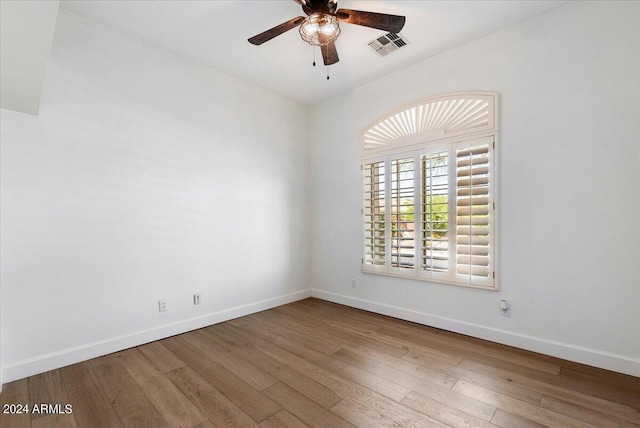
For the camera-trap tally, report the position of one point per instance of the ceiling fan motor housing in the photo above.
(326, 6)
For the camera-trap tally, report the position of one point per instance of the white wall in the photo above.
(26, 31)
(569, 182)
(144, 176)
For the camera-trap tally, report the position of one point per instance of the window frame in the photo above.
(425, 143)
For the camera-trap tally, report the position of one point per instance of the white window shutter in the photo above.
(434, 222)
(374, 256)
(402, 214)
(473, 215)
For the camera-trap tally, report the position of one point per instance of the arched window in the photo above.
(429, 205)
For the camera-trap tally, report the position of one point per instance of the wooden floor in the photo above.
(314, 363)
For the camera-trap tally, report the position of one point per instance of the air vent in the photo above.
(388, 43)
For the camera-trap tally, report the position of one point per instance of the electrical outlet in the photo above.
(162, 305)
(505, 308)
(196, 299)
(354, 284)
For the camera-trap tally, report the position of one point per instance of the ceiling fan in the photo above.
(321, 26)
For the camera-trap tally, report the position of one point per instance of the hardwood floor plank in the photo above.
(450, 358)
(47, 388)
(127, 398)
(421, 366)
(285, 321)
(485, 355)
(272, 326)
(252, 375)
(534, 360)
(627, 387)
(329, 314)
(618, 394)
(283, 372)
(212, 403)
(54, 421)
(570, 395)
(495, 384)
(363, 416)
(587, 415)
(431, 351)
(518, 407)
(509, 420)
(233, 387)
(338, 385)
(595, 371)
(434, 391)
(170, 402)
(386, 371)
(206, 424)
(95, 362)
(303, 408)
(347, 338)
(366, 316)
(283, 419)
(163, 359)
(17, 393)
(40, 387)
(192, 385)
(359, 376)
(310, 342)
(367, 409)
(91, 407)
(442, 412)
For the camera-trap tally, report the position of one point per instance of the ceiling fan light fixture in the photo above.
(320, 29)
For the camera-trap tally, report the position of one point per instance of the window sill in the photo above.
(492, 287)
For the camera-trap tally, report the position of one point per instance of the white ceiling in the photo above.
(215, 33)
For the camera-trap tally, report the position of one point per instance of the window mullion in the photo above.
(453, 214)
(417, 214)
(387, 213)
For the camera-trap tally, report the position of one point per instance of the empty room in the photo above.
(319, 213)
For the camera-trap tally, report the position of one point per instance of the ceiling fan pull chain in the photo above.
(314, 55)
(327, 72)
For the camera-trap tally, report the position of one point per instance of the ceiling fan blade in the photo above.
(381, 21)
(276, 31)
(329, 53)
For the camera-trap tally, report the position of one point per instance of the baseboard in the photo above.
(66, 357)
(592, 357)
